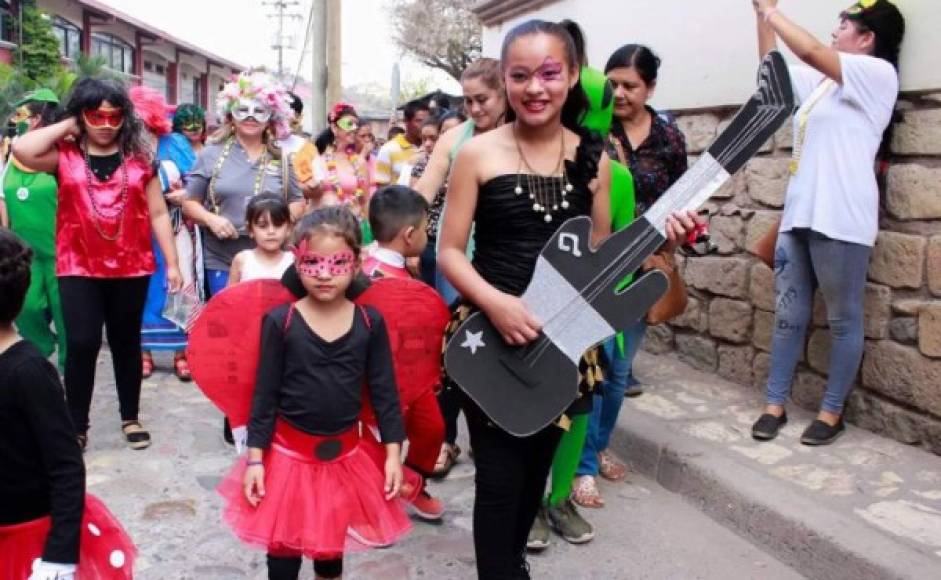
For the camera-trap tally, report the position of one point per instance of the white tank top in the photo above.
(253, 269)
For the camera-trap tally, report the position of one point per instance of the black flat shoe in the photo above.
(820, 433)
(767, 426)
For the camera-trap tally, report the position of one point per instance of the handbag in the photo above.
(673, 302)
(763, 249)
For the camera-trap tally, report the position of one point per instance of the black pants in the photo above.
(510, 482)
(87, 304)
(289, 567)
(449, 400)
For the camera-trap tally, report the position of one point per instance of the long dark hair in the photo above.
(47, 112)
(89, 93)
(576, 103)
(886, 22)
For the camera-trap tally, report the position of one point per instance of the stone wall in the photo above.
(728, 323)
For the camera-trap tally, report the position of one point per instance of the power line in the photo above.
(307, 34)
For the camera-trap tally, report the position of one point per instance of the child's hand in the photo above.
(393, 476)
(254, 484)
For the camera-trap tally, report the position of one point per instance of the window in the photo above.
(6, 22)
(70, 37)
(197, 96)
(118, 54)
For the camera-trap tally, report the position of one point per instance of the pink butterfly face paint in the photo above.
(317, 265)
(549, 72)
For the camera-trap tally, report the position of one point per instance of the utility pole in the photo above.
(318, 76)
(282, 10)
(334, 52)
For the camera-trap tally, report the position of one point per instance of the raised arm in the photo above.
(766, 38)
(803, 44)
(37, 149)
(436, 172)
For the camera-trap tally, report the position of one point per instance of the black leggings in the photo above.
(510, 482)
(87, 303)
(289, 567)
(449, 400)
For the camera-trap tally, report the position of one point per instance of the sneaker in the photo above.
(538, 539)
(634, 387)
(767, 426)
(427, 508)
(568, 523)
(820, 433)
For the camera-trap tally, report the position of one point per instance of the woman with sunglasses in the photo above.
(109, 201)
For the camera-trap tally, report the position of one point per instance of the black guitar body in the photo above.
(523, 389)
(573, 289)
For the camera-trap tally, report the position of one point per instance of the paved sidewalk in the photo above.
(865, 507)
(165, 497)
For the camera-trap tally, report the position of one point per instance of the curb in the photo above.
(811, 537)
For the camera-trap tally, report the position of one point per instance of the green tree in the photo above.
(442, 34)
(38, 56)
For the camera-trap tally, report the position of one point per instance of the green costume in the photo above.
(31, 200)
(598, 118)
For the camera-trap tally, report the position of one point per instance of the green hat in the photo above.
(40, 96)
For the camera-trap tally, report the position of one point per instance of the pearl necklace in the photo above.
(542, 189)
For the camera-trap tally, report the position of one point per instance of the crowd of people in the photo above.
(129, 215)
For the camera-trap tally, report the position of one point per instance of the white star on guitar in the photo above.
(473, 341)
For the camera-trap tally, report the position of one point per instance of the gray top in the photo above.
(233, 187)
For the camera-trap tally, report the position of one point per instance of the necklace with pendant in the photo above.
(547, 192)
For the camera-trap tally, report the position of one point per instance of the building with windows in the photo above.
(142, 53)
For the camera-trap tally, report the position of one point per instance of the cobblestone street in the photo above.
(165, 497)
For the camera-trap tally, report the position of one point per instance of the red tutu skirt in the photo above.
(323, 497)
(106, 551)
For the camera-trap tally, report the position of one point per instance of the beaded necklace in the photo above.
(542, 189)
(226, 150)
(359, 168)
(117, 213)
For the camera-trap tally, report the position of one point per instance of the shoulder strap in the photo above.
(365, 314)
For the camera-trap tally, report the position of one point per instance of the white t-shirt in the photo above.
(253, 269)
(834, 191)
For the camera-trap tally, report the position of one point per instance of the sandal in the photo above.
(135, 435)
(610, 467)
(446, 460)
(147, 365)
(585, 492)
(182, 368)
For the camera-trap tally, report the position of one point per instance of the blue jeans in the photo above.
(216, 281)
(609, 397)
(804, 259)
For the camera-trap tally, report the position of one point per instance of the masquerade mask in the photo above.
(103, 117)
(21, 120)
(348, 124)
(550, 71)
(249, 108)
(314, 264)
(193, 126)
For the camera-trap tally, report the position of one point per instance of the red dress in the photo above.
(106, 553)
(113, 241)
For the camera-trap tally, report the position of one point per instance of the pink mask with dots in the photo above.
(315, 264)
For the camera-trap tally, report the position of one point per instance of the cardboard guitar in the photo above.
(575, 292)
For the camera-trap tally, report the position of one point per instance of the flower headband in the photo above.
(262, 87)
(339, 110)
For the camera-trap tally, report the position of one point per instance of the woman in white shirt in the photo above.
(831, 213)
